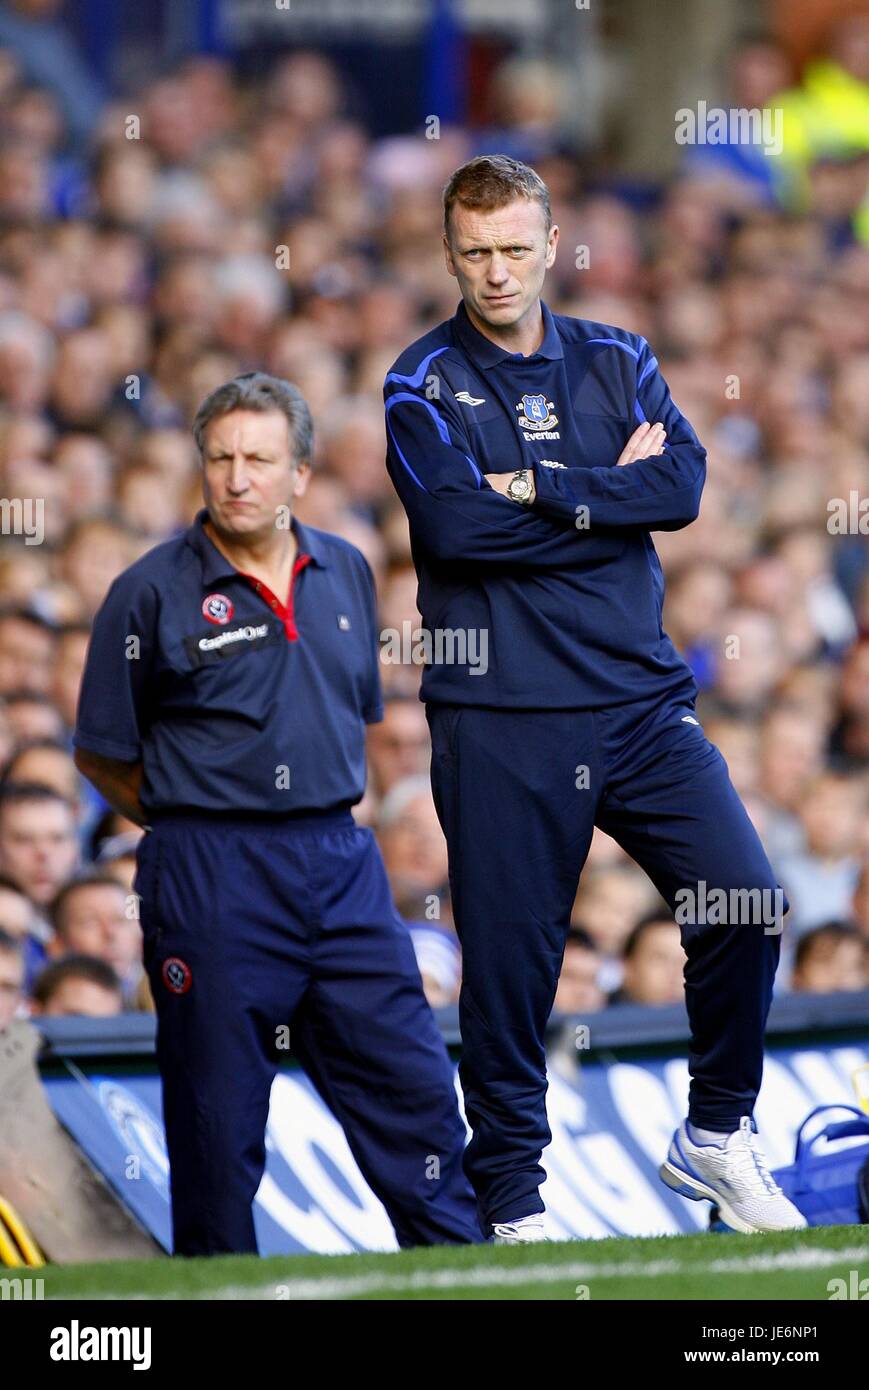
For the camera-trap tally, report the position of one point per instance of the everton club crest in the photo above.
(536, 419)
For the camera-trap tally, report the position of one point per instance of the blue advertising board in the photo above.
(611, 1122)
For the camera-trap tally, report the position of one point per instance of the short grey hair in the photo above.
(259, 391)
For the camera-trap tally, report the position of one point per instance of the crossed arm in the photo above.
(647, 441)
(458, 514)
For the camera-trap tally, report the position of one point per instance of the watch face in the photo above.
(519, 489)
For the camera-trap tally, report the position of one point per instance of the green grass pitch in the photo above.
(795, 1265)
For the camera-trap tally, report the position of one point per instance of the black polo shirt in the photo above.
(232, 698)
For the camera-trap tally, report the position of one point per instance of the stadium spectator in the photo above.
(579, 990)
(29, 926)
(93, 553)
(110, 833)
(821, 878)
(439, 958)
(33, 30)
(607, 904)
(740, 173)
(17, 914)
(414, 849)
(831, 957)
(826, 117)
(654, 963)
(738, 741)
(45, 762)
(697, 598)
(11, 978)
(147, 504)
(7, 735)
(399, 615)
(88, 467)
(791, 755)
(860, 901)
(750, 660)
(849, 743)
(77, 985)
(72, 640)
(117, 857)
(31, 716)
(38, 844)
(93, 916)
(27, 645)
(399, 746)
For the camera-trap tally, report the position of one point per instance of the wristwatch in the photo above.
(520, 487)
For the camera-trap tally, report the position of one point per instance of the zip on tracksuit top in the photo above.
(564, 597)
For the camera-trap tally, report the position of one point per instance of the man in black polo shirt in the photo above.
(229, 678)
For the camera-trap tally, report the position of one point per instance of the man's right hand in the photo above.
(645, 442)
(118, 783)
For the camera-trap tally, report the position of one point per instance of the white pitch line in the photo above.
(302, 1290)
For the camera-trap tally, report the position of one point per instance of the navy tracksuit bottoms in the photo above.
(518, 793)
(252, 927)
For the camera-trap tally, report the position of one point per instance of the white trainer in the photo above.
(526, 1231)
(735, 1176)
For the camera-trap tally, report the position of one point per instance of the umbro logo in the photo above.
(689, 719)
(467, 399)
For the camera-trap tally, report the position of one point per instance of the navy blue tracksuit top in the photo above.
(569, 591)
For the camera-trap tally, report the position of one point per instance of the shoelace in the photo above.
(751, 1163)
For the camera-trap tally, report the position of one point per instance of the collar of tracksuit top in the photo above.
(565, 596)
(237, 701)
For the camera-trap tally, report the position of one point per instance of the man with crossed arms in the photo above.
(534, 455)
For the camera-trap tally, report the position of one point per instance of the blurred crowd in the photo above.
(207, 227)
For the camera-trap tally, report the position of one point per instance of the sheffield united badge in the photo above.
(217, 608)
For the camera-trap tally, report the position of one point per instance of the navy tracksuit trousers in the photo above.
(518, 793)
(255, 926)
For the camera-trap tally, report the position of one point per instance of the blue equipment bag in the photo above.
(830, 1189)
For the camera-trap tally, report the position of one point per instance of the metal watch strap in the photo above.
(523, 474)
